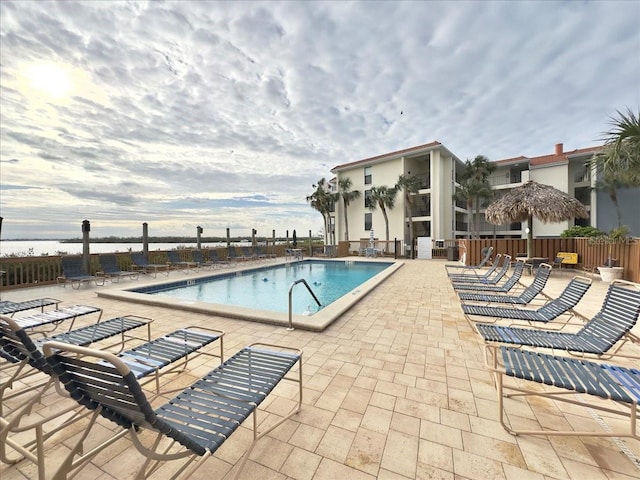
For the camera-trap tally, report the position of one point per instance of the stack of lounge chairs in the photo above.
(524, 333)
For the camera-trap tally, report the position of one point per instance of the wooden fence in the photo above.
(31, 271)
(590, 252)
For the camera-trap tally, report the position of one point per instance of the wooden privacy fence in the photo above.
(591, 253)
(31, 271)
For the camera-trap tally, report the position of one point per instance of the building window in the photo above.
(367, 175)
(367, 221)
(367, 198)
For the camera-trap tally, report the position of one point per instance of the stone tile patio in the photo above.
(394, 389)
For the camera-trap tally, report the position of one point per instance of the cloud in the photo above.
(226, 113)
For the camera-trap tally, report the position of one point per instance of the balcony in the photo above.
(425, 180)
(583, 176)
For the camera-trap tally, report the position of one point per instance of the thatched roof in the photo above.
(533, 199)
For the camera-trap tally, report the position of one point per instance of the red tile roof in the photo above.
(550, 158)
(562, 157)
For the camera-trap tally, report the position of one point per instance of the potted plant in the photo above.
(610, 270)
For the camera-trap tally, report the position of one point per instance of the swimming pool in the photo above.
(260, 293)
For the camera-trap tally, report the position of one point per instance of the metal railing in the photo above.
(300, 280)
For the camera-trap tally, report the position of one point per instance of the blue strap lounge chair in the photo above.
(8, 307)
(215, 258)
(609, 328)
(177, 262)
(202, 263)
(141, 263)
(527, 296)
(73, 273)
(233, 256)
(569, 298)
(111, 270)
(198, 420)
(504, 287)
(486, 256)
(481, 273)
(247, 254)
(45, 322)
(491, 280)
(18, 348)
(610, 383)
(144, 362)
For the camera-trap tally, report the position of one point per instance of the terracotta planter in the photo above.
(609, 274)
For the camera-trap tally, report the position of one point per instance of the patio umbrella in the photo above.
(295, 240)
(372, 239)
(534, 199)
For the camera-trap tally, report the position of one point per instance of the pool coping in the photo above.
(316, 322)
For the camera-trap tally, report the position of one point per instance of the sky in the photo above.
(225, 114)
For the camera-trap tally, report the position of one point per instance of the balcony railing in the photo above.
(425, 180)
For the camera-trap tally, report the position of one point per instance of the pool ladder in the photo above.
(301, 280)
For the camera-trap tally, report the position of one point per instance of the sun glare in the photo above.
(49, 79)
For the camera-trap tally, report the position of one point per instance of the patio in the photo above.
(395, 389)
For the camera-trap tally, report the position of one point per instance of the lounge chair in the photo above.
(610, 383)
(233, 256)
(215, 258)
(569, 298)
(202, 263)
(486, 256)
(477, 272)
(143, 362)
(18, 348)
(526, 297)
(479, 275)
(295, 253)
(111, 270)
(141, 263)
(8, 307)
(610, 327)
(197, 421)
(183, 265)
(73, 273)
(45, 322)
(493, 284)
(263, 254)
(248, 254)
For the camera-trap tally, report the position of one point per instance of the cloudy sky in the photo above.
(224, 114)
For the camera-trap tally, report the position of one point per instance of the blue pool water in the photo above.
(267, 288)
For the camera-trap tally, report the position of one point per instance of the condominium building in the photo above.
(434, 212)
(437, 214)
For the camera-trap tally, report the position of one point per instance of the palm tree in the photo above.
(475, 183)
(622, 148)
(409, 185)
(322, 201)
(617, 165)
(348, 196)
(611, 179)
(385, 198)
(463, 194)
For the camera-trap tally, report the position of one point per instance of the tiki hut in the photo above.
(534, 199)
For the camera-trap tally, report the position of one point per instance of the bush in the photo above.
(578, 231)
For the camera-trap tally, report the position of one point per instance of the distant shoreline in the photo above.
(139, 239)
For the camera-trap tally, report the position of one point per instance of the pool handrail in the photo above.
(300, 280)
